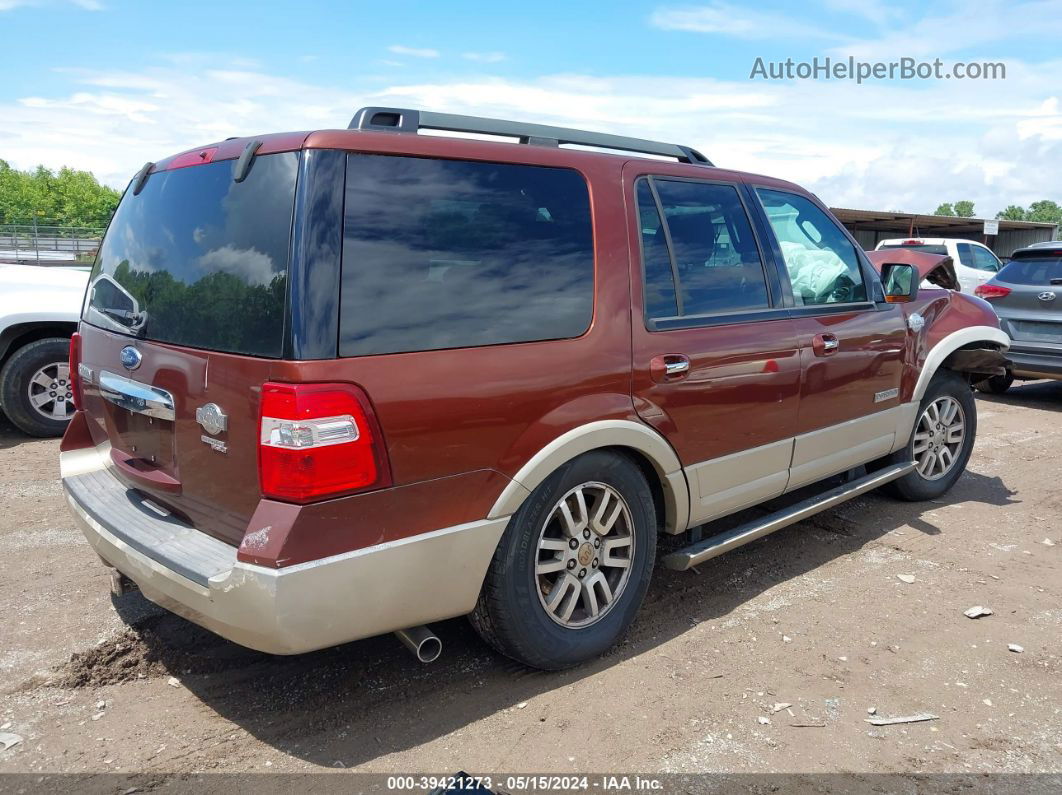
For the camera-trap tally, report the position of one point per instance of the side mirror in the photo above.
(900, 282)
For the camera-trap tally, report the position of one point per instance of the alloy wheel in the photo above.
(939, 438)
(50, 392)
(584, 556)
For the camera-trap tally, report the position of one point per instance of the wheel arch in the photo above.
(953, 352)
(18, 335)
(648, 450)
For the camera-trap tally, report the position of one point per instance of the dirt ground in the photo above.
(815, 617)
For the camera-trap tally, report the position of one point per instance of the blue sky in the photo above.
(118, 83)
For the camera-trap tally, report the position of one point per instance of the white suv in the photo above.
(975, 263)
(39, 310)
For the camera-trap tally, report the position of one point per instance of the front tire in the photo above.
(573, 565)
(35, 389)
(942, 439)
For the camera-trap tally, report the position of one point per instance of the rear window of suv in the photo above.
(929, 248)
(200, 260)
(451, 254)
(1045, 269)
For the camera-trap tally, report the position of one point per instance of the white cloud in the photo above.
(963, 28)
(876, 11)
(959, 27)
(413, 52)
(117, 120)
(877, 146)
(484, 57)
(249, 264)
(86, 5)
(737, 21)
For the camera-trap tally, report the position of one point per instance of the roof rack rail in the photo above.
(406, 120)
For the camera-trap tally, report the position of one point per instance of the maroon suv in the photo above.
(348, 382)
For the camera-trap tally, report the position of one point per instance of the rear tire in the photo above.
(35, 387)
(996, 385)
(539, 599)
(941, 441)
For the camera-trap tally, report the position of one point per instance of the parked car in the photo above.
(39, 310)
(348, 382)
(974, 263)
(1027, 296)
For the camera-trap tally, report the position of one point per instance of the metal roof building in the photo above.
(871, 226)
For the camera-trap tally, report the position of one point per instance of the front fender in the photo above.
(950, 344)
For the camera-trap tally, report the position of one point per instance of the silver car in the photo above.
(1027, 296)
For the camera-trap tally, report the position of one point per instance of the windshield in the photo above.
(198, 259)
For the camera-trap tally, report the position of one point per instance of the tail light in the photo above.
(911, 243)
(318, 441)
(990, 291)
(75, 363)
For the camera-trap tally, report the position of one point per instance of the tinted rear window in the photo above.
(197, 259)
(929, 249)
(1032, 270)
(450, 254)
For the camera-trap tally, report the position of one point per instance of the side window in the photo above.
(822, 263)
(453, 254)
(712, 256)
(966, 255)
(985, 260)
(661, 300)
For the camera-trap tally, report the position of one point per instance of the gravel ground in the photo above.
(815, 617)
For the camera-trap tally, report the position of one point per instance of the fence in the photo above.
(48, 245)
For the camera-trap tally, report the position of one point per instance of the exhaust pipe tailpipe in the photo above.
(424, 643)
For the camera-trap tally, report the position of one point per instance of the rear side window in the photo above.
(708, 250)
(452, 254)
(822, 262)
(661, 300)
(198, 259)
(1040, 271)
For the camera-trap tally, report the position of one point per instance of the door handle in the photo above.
(669, 367)
(674, 368)
(825, 344)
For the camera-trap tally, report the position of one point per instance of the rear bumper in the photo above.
(1040, 361)
(290, 610)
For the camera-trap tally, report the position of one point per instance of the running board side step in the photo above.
(690, 556)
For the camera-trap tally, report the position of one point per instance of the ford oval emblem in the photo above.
(131, 357)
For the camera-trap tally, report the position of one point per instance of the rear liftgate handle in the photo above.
(825, 344)
(669, 367)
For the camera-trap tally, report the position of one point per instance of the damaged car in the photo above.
(341, 383)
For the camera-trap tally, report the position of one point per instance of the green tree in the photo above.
(964, 208)
(1046, 211)
(67, 197)
(944, 209)
(1012, 213)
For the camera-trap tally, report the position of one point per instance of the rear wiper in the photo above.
(132, 320)
(1056, 281)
